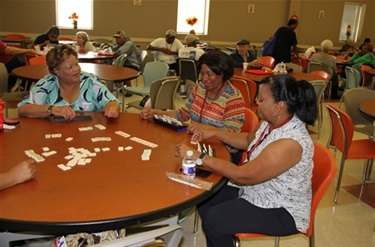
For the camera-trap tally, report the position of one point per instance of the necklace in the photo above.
(205, 98)
(263, 136)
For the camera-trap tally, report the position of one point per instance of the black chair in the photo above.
(187, 69)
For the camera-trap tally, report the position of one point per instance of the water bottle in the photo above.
(1, 114)
(188, 164)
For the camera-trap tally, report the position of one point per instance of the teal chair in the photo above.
(153, 71)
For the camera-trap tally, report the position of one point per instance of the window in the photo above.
(190, 9)
(83, 8)
(352, 21)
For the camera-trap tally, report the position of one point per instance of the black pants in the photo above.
(12, 64)
(225, 214)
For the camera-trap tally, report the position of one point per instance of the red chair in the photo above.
(253, 89)
(323, 174)
(341, 138)
(65, 38)
(28, 56)
(366, 78)
(15, 36)
(268, 61)
(37, 60)
(241, 85)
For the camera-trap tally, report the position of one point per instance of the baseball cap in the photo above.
(243, 42)
(119, 34)
(171, 33)
(190, 38)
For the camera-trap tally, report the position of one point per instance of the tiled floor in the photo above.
(349, 223)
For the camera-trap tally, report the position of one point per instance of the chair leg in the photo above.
(236, 241)
(277, 241)
(196, 221)
(339, 178)
(367, 171)
(312, 238)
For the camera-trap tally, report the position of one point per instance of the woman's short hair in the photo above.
(292, 21)
(54, 30)
(299, 96)
(57, 55)
(219, 62)
(83, 35)
(326, 45)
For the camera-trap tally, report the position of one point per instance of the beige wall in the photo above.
(229, 20)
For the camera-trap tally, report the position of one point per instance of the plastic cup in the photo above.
(245, 65)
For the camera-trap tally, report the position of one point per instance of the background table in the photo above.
(115, 190)
(104, 71)
(93, 55)
(258, 78)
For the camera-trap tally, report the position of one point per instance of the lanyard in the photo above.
(204, 102)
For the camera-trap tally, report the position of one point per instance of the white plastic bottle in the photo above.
(188, 164)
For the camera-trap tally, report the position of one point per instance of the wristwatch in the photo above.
(49, 111)
(199, 161)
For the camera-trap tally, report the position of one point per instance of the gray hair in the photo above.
(326, 45)
(83, 35)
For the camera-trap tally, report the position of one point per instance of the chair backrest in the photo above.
(241, 85)
(251, 121)
(153, 71)
(3, 79)
(253, 89)
(320, 73)
(268, 62)
(165, 98)
(366, 78)
(352, 78)
(342, 129)
(38, 60)
(120, 60)
(312, 66)
(15, 36)
(144, 56)
(187, 69)
(352, 99)
(28, 56)
(323, 173)
(319, 87)
(295, 67)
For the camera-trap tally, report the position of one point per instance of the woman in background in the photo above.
(83, 44)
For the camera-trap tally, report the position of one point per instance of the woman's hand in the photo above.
(64, 111)
(201, 134)
(112, 109)
(147, 114)
(24, 171)
(181, 150)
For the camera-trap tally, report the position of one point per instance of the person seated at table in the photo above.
(48, 38)
(364, 56)
(271, 192)
(190, 51)
(166, 49)
(366, 41)
(124, 45)
(214, 103)
(8, 56)
(348, 48)
(67, 90)
(324, 57)
(83, 43)
(20, 173)
(243, 54)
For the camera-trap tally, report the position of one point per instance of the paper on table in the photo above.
(194, 182)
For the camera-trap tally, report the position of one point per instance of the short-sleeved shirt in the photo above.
(133, 57)
(162, 43)
(292, 189)
(43, 37)
(93, 94)
(285, 39)
(190, 53)
(4, 58)
(227, 112)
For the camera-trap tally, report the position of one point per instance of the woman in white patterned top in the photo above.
(272, 192)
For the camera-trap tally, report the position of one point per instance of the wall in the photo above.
(229, 20)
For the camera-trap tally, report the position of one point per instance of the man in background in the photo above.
(286, 40)
(244, 55)
(190, 51)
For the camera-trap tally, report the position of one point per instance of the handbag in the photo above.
(269, 46)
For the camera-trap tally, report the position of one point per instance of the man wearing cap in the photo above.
(243, 55)
(166, 49)
(125, 46)
(190, 51)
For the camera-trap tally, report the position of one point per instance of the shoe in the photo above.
(128, 95)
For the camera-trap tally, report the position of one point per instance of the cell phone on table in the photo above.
(202, 173)
(11, 121)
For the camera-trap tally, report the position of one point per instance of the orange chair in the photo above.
(366, 78)
(15, 36)
(268, 62)
(323, 174)
(241, 85)
(340, 67)
(37, 60)
(341, 138)
(28, 56)
(253, 89)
